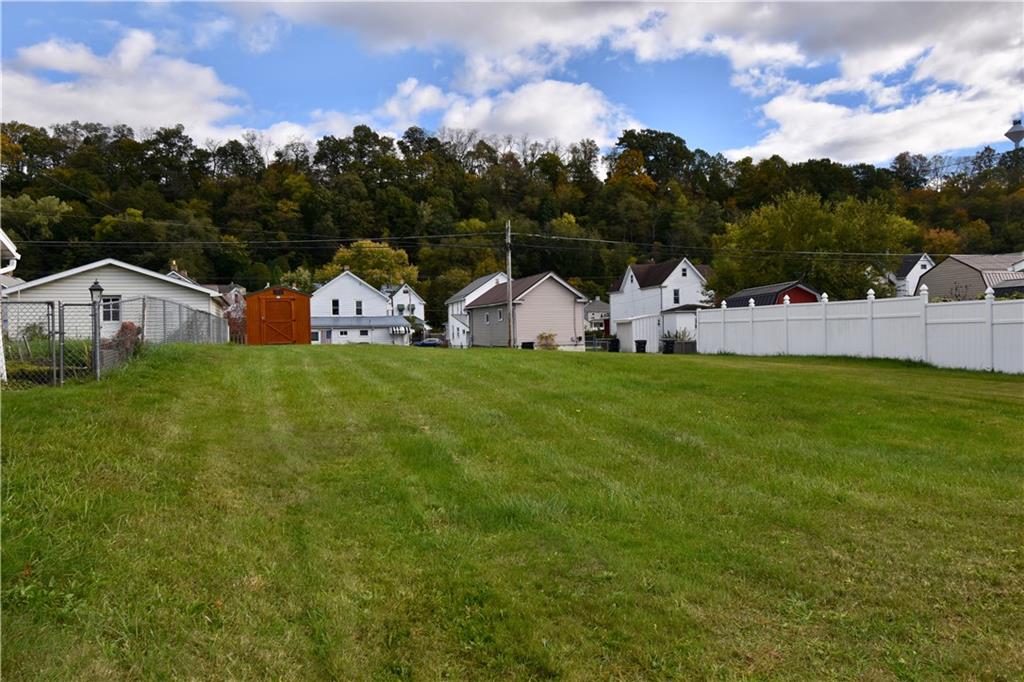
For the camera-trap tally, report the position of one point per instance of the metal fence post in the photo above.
(60, 317)
(96, 339)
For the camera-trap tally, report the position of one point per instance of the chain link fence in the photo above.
(49, 343)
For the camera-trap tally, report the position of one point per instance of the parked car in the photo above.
(429, 343)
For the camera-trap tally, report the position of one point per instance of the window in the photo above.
(412, 308)
(327, 336)
(314, 336)
(342, 332)
(111, 308)
(359, 307)
(487, 318)
(682, 272)
(364, 332)
(499, 315)
(335, 307)
(924, 266)
(675, 296)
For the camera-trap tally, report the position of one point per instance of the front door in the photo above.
(278, 321)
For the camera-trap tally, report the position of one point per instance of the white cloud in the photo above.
(884, 52)
(548, 109)
(207, 33)
(411, 100)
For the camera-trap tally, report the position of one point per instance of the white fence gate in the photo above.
(985, 334)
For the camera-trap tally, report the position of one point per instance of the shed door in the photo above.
(278, 321)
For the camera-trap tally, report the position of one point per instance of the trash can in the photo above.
(668, 346)
(527, 345)
(641, 345)
(613, 345)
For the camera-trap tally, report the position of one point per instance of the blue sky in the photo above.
(855, 82)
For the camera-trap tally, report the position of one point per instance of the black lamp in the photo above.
(95, 291)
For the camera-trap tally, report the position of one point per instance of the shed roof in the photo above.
(765, 294)
(470, 288)
(686, 308)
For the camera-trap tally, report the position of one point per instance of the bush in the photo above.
(546, 341)
(127, 341)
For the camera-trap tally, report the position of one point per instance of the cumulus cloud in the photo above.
(900, 59)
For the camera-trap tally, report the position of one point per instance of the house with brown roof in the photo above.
(541, 304)
(965, 277)
(653, 288)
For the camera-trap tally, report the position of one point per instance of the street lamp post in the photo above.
(96, 296)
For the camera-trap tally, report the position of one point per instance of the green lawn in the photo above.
(369, 512)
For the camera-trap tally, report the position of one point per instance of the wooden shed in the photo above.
(277, 315)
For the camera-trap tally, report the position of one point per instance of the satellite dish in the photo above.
(1016, 133)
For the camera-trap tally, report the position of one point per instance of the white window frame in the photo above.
(364, 332)
(111, 308)
(359, 308)
(487, 318)
(314, 336)
(501, 317)
(682, 272)
(328, 335)
(335, 307)
(675, 297)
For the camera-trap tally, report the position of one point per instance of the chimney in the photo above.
(174, 266)
(345, 268)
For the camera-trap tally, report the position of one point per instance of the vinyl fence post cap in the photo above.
(750, 302)
(990, 293)
(871, 294)
(724, 305)
(785, 299)
(824, 298)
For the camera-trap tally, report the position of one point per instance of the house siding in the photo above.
(460, 335)
(550, 307)
(491, 334)
(347, 289)
(632, 301)
(953, 280)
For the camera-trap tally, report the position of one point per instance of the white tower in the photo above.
(1016, 133)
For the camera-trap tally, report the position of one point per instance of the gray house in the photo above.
(965, 277)
(542, 303)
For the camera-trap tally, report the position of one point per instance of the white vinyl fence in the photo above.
(985, 334)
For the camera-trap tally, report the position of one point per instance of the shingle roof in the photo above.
(470, 288)
(655, 274)
(762, 295)
(995, 261)
(498, 294)
(686, 307)
(597, 306)
(907, 264)
(1010, 282)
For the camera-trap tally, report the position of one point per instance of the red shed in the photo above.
(773, 294)
(277, 315)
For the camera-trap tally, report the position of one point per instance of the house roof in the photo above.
(8, 250)
(279, 286)
(655, 274)
(995, 261)
(907, 264)
(686, 308)
(470, 288)
(225, 288)
(498, 294)
(349, 273)
(1011, 282)
(597, 306)
(10, 281)
(360, 321)
(765, 294)
(118, 264)
(390, 290)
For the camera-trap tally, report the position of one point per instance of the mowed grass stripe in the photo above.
(367, 512)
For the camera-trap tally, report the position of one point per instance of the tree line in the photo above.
(435, 206)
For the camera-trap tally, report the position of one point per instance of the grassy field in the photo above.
(366, 512)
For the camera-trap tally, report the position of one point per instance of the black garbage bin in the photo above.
(527, 345)
(668, 346)
(613, 345)
(641, 345)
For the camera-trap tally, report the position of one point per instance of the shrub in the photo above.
(546, 341)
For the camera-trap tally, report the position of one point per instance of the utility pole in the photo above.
(508, 285)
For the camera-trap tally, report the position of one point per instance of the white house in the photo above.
(123, 284)
(406, 303)
(597, 313)
(653, 288)
(9, 258)
(348, 310)
(457, 331)
(912, 266)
